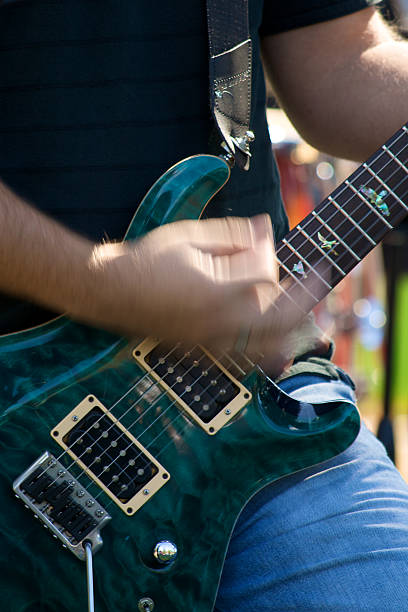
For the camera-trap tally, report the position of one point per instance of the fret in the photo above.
(335, 217)
(299, 256)
(335, 234)
(333, 201)
(332, 239)
(385, 186)
(319, 248)
(296, 279)
(366, 219)
(395, 158)
(390, 165)
(400, 138)
(368, 203)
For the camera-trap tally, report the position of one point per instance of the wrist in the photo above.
(108, 295)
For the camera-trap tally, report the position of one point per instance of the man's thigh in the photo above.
(332, 537)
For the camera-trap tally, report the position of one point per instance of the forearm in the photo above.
(189, 281)
(349, 94)
(41, 260)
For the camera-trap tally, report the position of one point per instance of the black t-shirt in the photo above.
(290, 14)
(98, 101)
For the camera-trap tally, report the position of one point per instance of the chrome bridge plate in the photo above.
(62, 504)
(196, 381)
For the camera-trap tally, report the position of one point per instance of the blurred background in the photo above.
(367, 312)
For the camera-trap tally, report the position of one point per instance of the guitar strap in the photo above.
(230, 68)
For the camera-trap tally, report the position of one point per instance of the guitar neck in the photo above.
(321, 250)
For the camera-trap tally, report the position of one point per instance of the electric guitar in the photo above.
(153, 451)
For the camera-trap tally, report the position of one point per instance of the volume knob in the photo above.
(165, 552)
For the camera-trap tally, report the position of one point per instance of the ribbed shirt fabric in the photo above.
(98, 99)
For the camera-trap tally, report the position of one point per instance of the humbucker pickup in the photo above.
(198, 383)
(110, 455)
(62, 504)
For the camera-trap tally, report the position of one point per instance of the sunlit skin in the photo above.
(213, 278)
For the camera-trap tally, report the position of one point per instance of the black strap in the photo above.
(230, 75)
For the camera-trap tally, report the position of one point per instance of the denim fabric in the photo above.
(333, 537)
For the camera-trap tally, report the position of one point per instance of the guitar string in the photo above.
(311, 219)
(152, 385)
(177, 417)
(295, 256)
(173, 403)
(155, 383)
(399, 152)
(180, 414)
(123, 434)
(145, 377)
(388, 161)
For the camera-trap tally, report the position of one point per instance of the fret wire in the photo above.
(386, 187)
(315, 214)
(373, 208)
(297, 280)
(333, 201)
(359, 177)
(319, 248)
(394, 179)
(347, 216)
(350, 199)
(380, 153)
(352, 228)
(395, 158)
(308, 265)
(397, 137)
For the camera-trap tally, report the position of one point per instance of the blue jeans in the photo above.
(333, 537)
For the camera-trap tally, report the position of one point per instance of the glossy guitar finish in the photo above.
(46, 371)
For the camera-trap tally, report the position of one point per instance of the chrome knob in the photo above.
(165, 552)
(145, 604)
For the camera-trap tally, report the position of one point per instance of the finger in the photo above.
(231, 234)
(246, 268)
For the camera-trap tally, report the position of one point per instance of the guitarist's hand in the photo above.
(192, 281)
(210, 281)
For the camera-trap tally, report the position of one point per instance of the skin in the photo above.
(351, 68)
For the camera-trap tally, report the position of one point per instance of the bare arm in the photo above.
(343, 83)
(39, 259)
(194, 281)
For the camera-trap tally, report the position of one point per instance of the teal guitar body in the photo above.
(100, 439)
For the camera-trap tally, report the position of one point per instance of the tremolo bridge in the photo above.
(62, 504)
(112, 457)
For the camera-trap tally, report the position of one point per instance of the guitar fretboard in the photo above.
(321, 250)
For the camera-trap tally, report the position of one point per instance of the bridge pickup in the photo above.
(110, 455)
(61, 504)
(198, 383)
